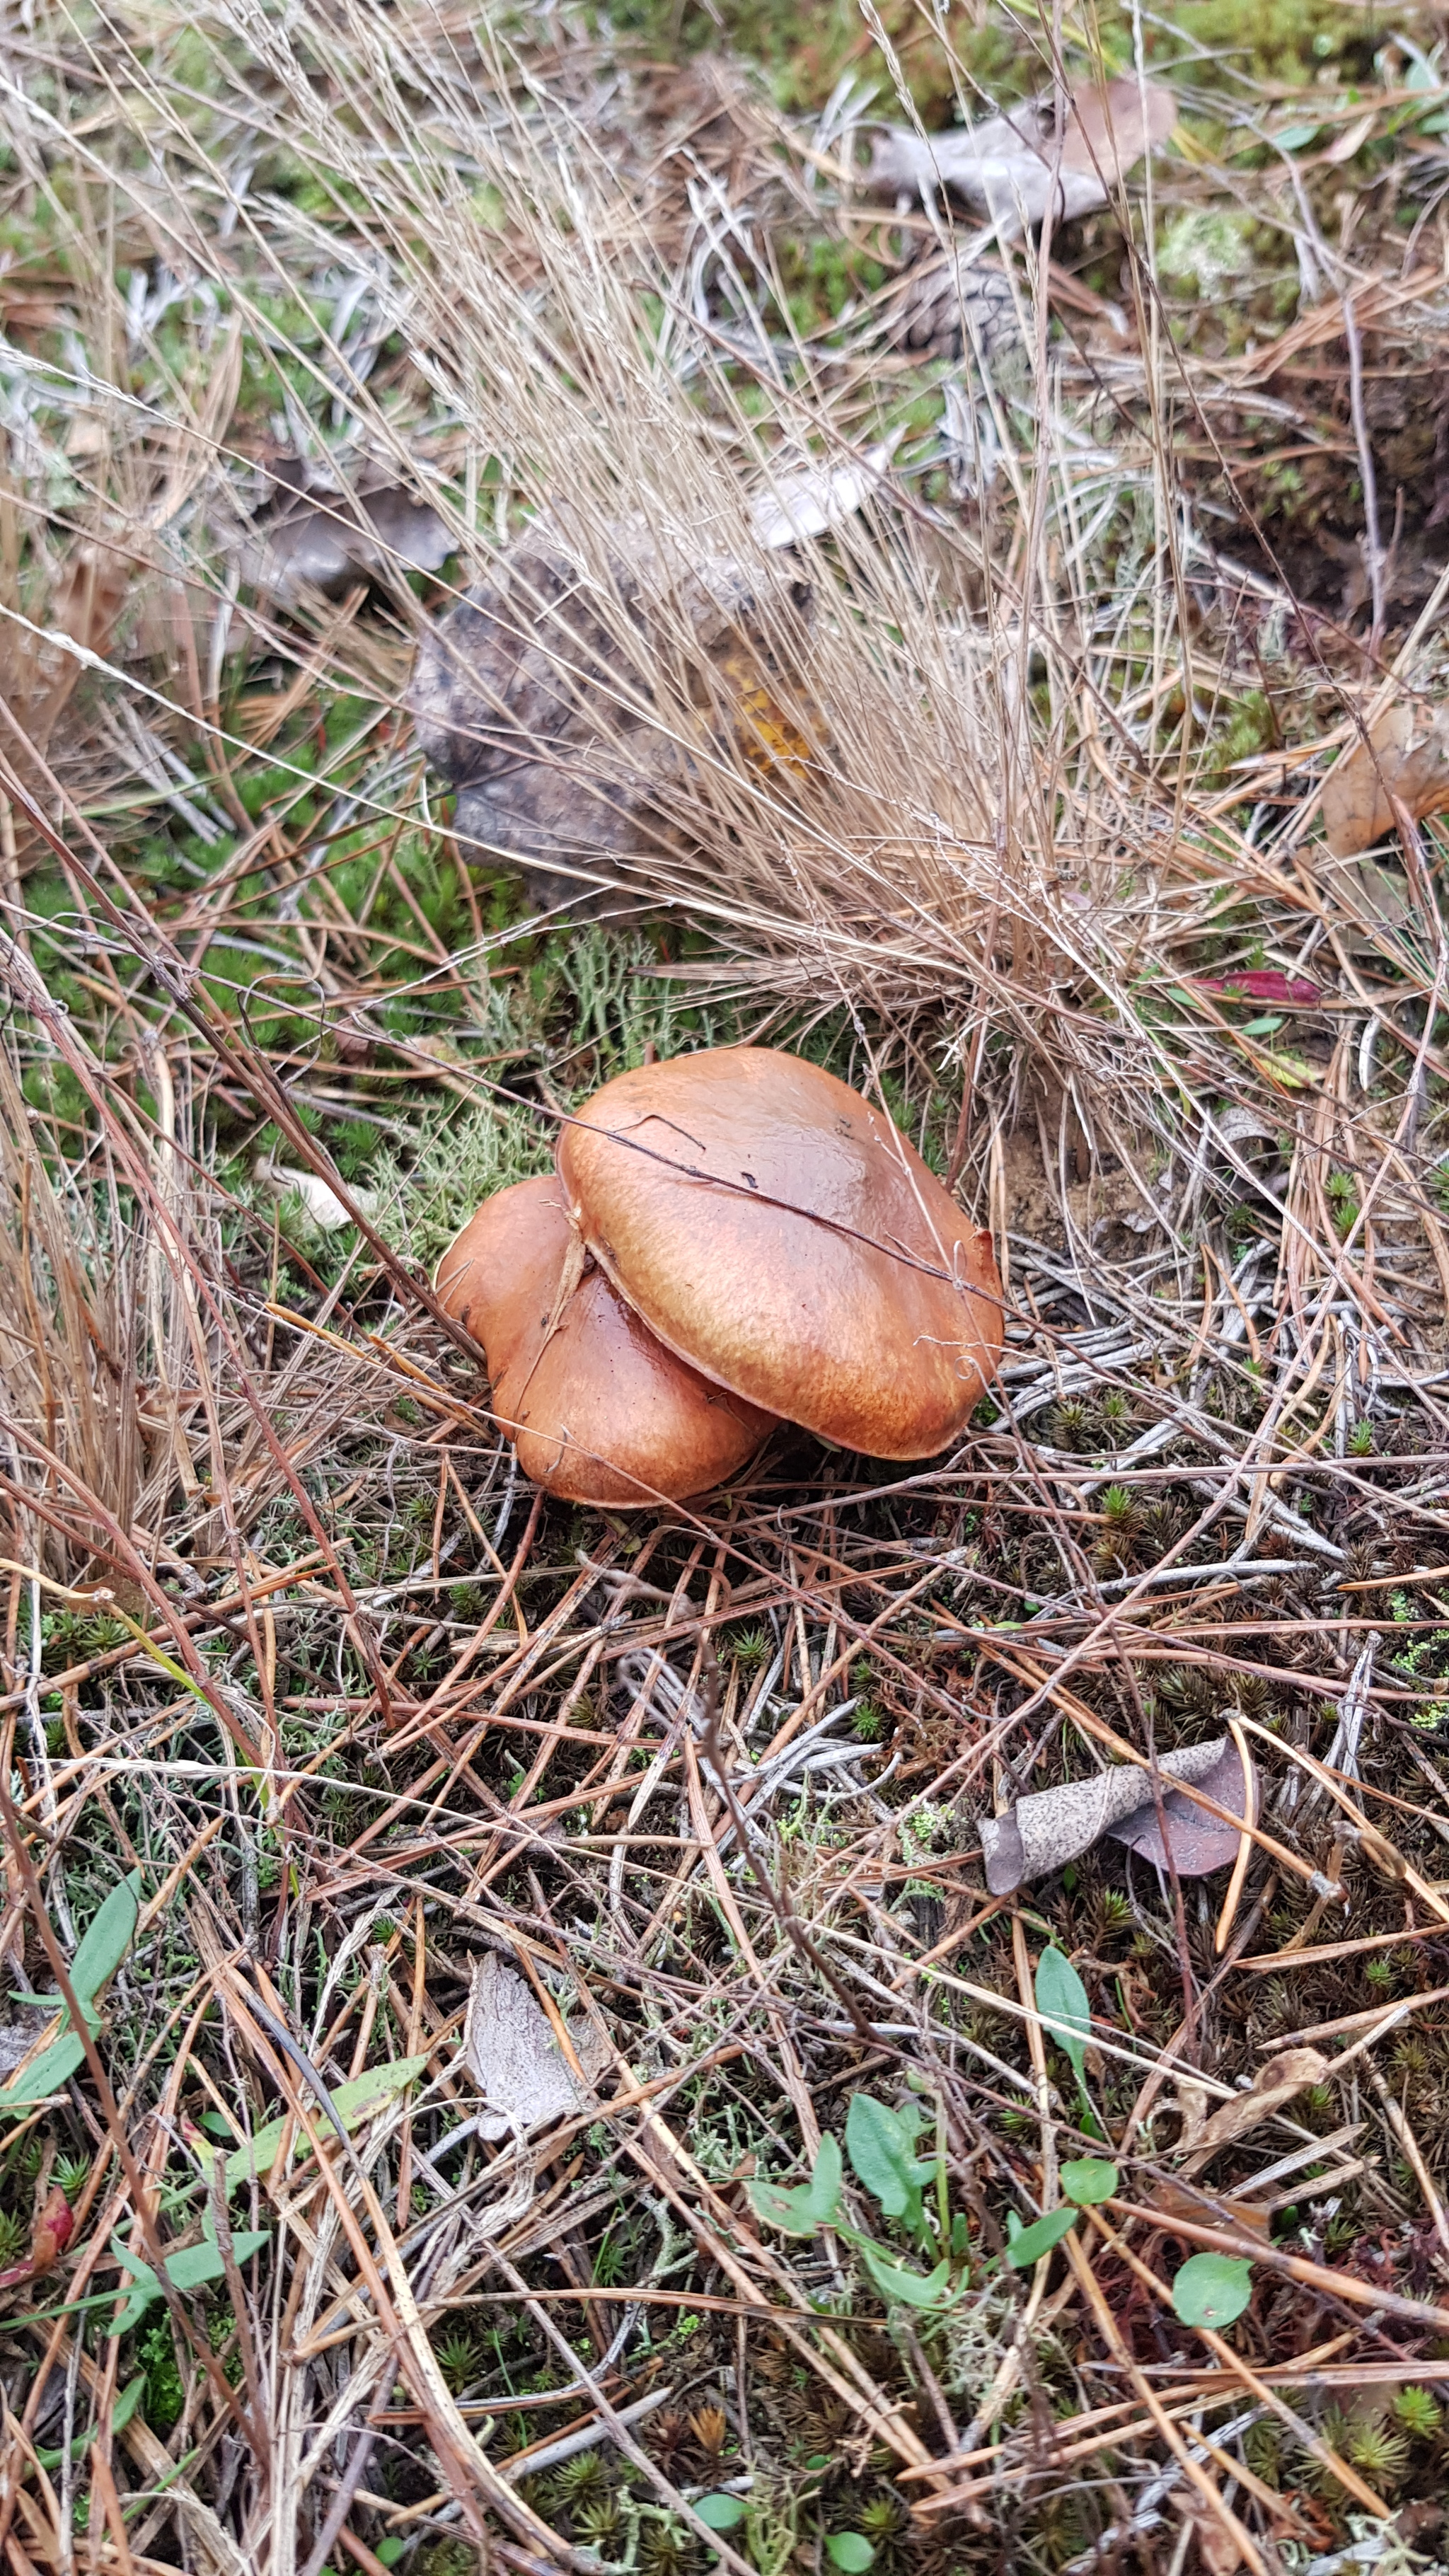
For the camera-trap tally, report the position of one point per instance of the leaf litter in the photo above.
(960, 719)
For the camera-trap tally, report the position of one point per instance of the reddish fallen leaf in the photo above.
(50, 2236)
(1260, 984)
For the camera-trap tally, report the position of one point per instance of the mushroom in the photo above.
(781, 1235)
(598, 1410)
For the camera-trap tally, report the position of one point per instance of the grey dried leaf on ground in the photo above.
(534, 697)
(1023, 165)
(513, 2054)
(1045, 1830)
(314, 535)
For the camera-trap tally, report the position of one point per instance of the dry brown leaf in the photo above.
(1178, 2199)
(1109, 129)
(1406, 758)
(1218, 2552)
(1021, 166)
(513, 2054)
(1049, 1828)
(1273, 2085)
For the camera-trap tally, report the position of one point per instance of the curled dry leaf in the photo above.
(1274, 2084)
(514, 2057)
(1405, 760)
(1200, 1842)
(1020, 166)
(1049, 1828)
(538, 695)
(1178, 2198)
(316, 536)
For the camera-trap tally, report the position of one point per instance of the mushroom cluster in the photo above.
(731, 1238)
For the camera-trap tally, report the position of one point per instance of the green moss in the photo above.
(1275, 40)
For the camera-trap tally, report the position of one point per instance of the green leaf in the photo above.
(909, 2289)
(387, 2552)
(52, 2068)
(721, 2512)
(107, 1939)
(190, 2269)
(1089, 2178)
(1061, 1999)
(810, 2206)
(850, 2550)
(1038, 2239)
(356, 2101)
(880, 2146)
(1212, 2289)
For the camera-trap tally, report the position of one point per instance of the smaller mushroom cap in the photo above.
(598, 1410)
(780, 1234)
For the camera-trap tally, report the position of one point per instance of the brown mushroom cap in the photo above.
(599, 1411)
(783, 1236)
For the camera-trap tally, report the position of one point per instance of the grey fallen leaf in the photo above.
(816, 499)
(534, 695)
(1021, 166)
(1044, 1831)
(316, 536)
(514, 2057)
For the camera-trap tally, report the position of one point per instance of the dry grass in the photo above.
(948, 797)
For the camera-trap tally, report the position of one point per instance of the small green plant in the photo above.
(458, 2360)
(579, 2481)
(600, 2520)
(1062, 2001)
(102, 1948)
(911, 2190)
(751, 1647)
(850, 2550)
(1361, 1440)
(721, 2512)
(165, 2393)
(1382, 2454)
(1212, 2290)
(1418, 2412)
(1085, 2181)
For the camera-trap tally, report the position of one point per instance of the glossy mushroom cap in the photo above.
(599, 1411)
(778, 1232)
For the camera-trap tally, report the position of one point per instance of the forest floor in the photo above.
(509, 2054)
